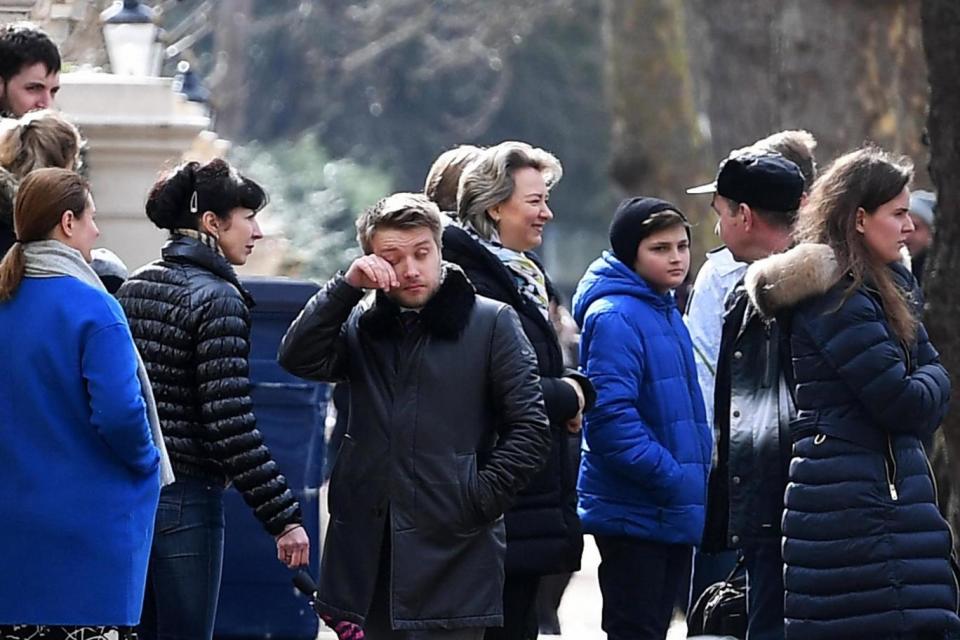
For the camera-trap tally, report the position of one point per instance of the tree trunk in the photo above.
(657, 148)
(229, 77)
(941, 38)
(848, 71)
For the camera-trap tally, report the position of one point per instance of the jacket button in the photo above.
(736, 479)
(735, 539)
(737, 354)
(736, 414)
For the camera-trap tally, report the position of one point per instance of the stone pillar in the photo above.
(134, 127)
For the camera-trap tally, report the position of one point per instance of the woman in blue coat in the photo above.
(866, 552)
(80, 467)
(647, 446)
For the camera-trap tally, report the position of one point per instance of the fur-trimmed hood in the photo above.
(786, 279)
(445, 315)
(783, 280)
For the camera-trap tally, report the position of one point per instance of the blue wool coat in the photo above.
(80, 470)
(647, 446)
(865, 550)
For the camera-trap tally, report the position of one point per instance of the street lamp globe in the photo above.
(132, 38)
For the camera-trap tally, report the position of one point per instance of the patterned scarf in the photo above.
(205, 238)
(527, 275)
(50, 259)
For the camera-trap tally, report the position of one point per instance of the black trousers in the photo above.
(639, 582)
(519, 609)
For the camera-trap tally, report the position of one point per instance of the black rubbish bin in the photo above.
(257, 599)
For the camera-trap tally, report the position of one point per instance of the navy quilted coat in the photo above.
(647, 446)
(865, 548)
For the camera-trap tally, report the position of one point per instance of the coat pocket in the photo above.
(446, 497)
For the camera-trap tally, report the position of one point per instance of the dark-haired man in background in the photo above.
(29, 69)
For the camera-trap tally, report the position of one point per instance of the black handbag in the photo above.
(722, 608)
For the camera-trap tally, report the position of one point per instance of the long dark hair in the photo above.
(43, 197)
(866, 178)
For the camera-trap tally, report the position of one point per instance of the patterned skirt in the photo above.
(56, 632)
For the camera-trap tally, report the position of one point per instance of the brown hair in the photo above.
(43, 197)
(444, 175)
(866, 178)
(39, 139)
(399, 211)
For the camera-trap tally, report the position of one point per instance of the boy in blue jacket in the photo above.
(647, 445)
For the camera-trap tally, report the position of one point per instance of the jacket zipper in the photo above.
(768, 373)
(890, 464)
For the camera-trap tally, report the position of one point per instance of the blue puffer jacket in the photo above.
(866, 551)
(647, 446)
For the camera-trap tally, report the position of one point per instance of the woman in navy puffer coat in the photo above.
(866, 551)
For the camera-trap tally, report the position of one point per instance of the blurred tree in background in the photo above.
(391, 85)
(633, 96)
(849, 71)
(315, 200)
(941, 36)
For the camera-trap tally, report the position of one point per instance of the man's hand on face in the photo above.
(372, 272)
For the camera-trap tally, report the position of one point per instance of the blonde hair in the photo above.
(488, 181)
(795, 145)
(38, 140)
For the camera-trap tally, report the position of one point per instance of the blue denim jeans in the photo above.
(762, 560)
(183, 580)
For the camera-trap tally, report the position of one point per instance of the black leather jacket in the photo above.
(446, 425)
(752, 410)
(190, 320)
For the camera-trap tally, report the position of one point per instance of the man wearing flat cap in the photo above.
(756, 197)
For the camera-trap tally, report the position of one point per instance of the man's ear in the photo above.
(210, 223)
(748, 215)
(861, 214)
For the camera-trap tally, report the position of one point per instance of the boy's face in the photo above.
(31, 89)
(663, 258)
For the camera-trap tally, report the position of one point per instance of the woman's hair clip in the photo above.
(193, 203)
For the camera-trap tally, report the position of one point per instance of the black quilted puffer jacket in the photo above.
(190, 319)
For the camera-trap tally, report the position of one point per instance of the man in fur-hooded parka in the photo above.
(447, 424)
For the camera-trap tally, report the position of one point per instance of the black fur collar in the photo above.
(444, 316)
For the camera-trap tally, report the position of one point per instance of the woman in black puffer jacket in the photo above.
(502, 211)
(189, 317)
(866, 552)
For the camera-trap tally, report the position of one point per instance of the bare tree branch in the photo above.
(371, 52)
